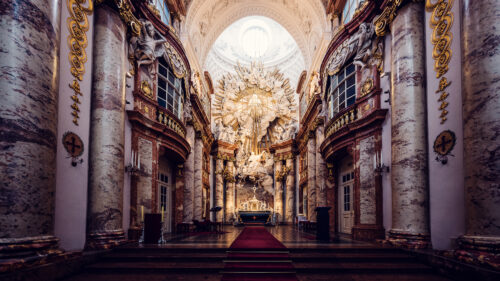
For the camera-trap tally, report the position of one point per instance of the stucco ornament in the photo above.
(146, 48)
(314, 87)
(254, 108)
(358, 45)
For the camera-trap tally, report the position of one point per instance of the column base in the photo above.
(17, 253)
(134, 233)
(408, 240)
(365, 232)
(479, 250)
(105, 240)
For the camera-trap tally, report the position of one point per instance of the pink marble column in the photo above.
(278, 191)
(29, 59)
(198, 184)
(107, 123)
(144, 178)
(320, 169)
(219, 188)
(311, 178)
(410, 202)
(481, 115)
(188, 213)
(230, 192)
(290, 191)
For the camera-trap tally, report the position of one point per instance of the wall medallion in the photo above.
(367, 87)
(146, 89)
(443, 145)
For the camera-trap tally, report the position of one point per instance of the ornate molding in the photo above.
(78, 25)
(383, 21)
(125, 10)
(441, 21)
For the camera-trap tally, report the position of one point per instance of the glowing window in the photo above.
(161, 5)
(341, 90)
(349, 10)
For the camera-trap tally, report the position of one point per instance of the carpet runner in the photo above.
(257, 255)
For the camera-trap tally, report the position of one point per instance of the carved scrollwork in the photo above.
(128, 17)
(383, 21)
(78, 25)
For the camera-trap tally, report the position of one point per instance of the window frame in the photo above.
(336, 90)
(173, 90)
(351, 6)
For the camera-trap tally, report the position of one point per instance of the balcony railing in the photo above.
(165, 118)
(341, 120)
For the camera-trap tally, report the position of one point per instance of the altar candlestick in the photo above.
(162, 213)
(142, 213)
(139, 161)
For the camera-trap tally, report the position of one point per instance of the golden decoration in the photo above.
(78, 25)
(383, 21)
(146, 89)
(441, 21)
(444, 143)
(367, 87)
(128, 17)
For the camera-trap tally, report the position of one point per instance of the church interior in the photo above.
(249, 140)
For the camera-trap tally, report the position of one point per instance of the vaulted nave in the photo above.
(249, 140)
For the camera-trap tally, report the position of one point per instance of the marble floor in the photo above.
(290, 236)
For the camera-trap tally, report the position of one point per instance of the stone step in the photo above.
(375, 266)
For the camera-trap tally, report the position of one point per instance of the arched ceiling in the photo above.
(305, 20)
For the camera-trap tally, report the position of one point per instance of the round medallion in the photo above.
(73, 144)
(444, 142)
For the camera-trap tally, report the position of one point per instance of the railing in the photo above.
(166, 119)
(341, 121)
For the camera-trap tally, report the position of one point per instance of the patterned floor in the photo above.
(288, 235)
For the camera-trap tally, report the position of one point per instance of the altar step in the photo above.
(192, 263)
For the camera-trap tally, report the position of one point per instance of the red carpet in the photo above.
(257, 255)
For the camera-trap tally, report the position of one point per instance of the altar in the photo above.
(254, 217)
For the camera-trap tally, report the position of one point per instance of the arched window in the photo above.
(349, 10)
(341, 90)
(170, 90)
(161, 6)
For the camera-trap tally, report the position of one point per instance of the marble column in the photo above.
(29, 67)
(481, 115)
(187, 210)
(409, 171)
(107, 124)
(320, 169)
(278, 191)
(290, 191)
(230, 192)
(219, 188)
(198, 184)
(331, 194)
(311, 178)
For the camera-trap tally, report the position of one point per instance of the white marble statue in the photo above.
(145, 49)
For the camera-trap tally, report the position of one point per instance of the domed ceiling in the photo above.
(255, 39)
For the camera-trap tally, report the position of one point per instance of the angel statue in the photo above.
(363, 44)
(145, 48)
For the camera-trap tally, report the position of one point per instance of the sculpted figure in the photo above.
(362, 44)
(145, 49)
(314, 87)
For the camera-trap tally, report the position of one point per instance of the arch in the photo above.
(206, 20)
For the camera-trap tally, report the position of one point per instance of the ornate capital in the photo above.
(383, 21)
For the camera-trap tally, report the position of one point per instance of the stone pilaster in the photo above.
(311, 178)
(278, 191)
(409, 171)
(198, 184)
(219, 187)
(180, 182)
(331, 196)
(144, 179)
(481, 111)
(107, 123)
(188, 213)
(290, 191)
(230, 192)
(320, 169)
(28, 124)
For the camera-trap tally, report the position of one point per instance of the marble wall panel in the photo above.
(408, 120)
(198, 185)
(367, 199)
(188, 212)
(145, 177)
(481, 115)
(29, 59)
(311, 179)
(320, 169)
(107, 123)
